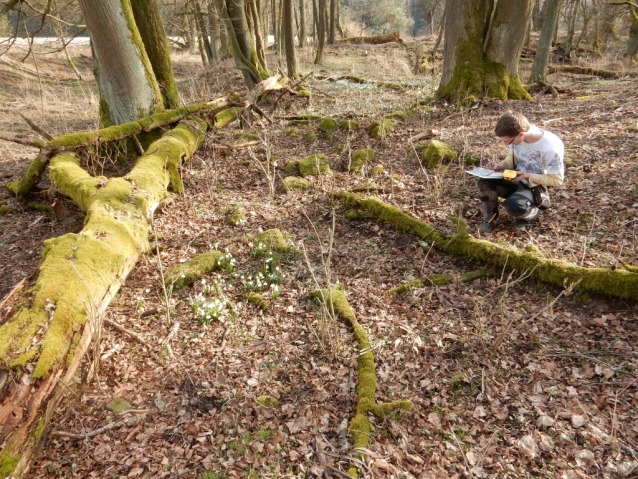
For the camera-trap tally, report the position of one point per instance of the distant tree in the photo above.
(380, 16)
(320, 18)
(548, 32)
(289, 38)
(482, 48)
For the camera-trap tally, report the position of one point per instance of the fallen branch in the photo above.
(128, 332)
(360, 427)
(604, 281)
(362, 81)
(442, 280)
(375, 40)
(36, 128)
(129, 421)
(17, 138)
(588, 71)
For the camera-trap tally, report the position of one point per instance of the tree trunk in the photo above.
(242, 45)
(536, 16)
(571, 28)
(291, 59)
(257, 29)
(124, 74)
(315, 21)
(321, 31)
(302, 24)
(632, 43)
(541, 60)
(333, 16)
(482, 49)
(213, 20)
(203, 33)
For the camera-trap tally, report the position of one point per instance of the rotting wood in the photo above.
(375, 40)
(442, 279)
(74, 141)
(360, 427)
(603, 281)
(94, 264)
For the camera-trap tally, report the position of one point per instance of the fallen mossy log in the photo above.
(41, 346)
(362, 81)
(360, 426)
(442, 279)
(604, 281)
(375, 39)
(612, 75)
(74, 141)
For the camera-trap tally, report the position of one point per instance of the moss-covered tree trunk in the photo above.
(79, 275)
(483, 41)
(632, 43)
(128, 86)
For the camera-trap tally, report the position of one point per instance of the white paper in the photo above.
(485, 173)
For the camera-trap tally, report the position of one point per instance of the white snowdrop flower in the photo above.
(148, 290)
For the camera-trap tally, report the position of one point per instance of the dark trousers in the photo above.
(518, 202)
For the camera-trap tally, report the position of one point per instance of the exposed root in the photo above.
(360, 426)
(604, 281)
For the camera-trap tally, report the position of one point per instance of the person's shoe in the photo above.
(486, 228)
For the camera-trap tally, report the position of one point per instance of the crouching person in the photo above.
(536, 156)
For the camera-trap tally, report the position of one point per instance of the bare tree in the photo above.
(541, 60)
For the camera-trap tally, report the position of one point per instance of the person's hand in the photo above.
(494, 166)
(521, 175)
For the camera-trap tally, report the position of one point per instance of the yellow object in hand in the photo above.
(509, 174)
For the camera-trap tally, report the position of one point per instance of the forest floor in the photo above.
(508, 377)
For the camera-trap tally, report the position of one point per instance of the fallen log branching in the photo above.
(80, 273)
(360, 426)
(442, 280)
(618, 282)
(75, 141)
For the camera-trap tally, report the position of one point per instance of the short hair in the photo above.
(511, 124)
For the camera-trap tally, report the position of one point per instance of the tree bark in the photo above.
(291, 59)
(302, 24)
(632, 43)
(541, 60)
(321, 30)
(257, 29)
(333, 16)
(126, 81)
(203, 32)
(571, 29)
(482, 49)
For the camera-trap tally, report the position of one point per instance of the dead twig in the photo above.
(129, 421)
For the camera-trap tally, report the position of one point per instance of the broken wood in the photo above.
(64, 316)
(375, 40)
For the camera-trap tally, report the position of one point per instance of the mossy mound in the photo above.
(257, 300)
(315, 165)
(295, 183)
(187, 273)
(267, 401)
(303, 92)
(310, 137)
(5, 210)
(292, 167)
(397, 115)
(569, 162)
(381, 129)
(327, 127)
(234, 214)
(41, 207)
(274, 240)
(247, 136)
(377, 170)
(437, 152)
(349, 125)
(360, 158)
(226, 117)
(291, 132)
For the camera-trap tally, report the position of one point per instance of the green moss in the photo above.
(118, 405)
(291, 132)
(381, 129)
(349, 125)
(8, 463)
(295, 183)
(300, 122)
(303, 92)
(397, 115)
(23, 186)
(227, 116)
(438, 152)
(569, 162)
(315, 165)
(234, 214)
(274, 240)
(41, 207)
(187, 273)
(614, 283)
(267, 402)
(310, 137)
(442, 279)
(377, 170)
(327, 127)
(5, 210)
(257, 300)
(247, 136)
(292, 167)
(360, 158)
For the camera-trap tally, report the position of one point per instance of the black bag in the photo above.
(541, 197)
